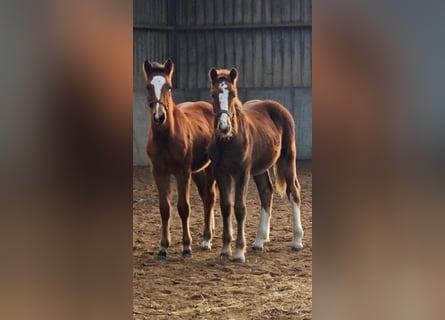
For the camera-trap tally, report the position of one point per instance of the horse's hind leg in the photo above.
(206, 186)
(264, 186)
(183, 180)
(163, 185)
(295, 199)
(288, 171)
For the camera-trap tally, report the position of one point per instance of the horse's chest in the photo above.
(227, 156)
(166, 156)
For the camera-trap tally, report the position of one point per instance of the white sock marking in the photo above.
(157, 82)
(224, 104)
(207, 244)
(298, 229)
(263, 229)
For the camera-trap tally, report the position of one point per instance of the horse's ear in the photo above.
(213, 75)
(233, 75)
(147, 68)
(169, 67)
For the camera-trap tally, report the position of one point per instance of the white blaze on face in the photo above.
(157, 82)
(224, 105)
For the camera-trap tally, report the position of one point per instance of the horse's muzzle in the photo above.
(159, 120)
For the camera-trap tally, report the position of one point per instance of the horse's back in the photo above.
(263, 111)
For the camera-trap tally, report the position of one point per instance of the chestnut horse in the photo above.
(249, 140)
(177, 145)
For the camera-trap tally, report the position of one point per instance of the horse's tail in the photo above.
(286, 165)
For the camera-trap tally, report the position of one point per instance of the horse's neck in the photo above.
(238, 115)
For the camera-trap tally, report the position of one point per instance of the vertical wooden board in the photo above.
(296, 58)
(276, 12)
(219, 12)
(210, 12)
(277, 54)
(202, 60)
(239, 57)
(181, 65)
(267, 11)
(153, 14)
(307, 58)
(257, 12)
(286, 10)
(164, 15)
(200, 12)
(247, 11)
(257, 59)
(179, 12)
(267, 58)
(191, 12)
(238, 12)
(307, 10)
(228, 12)
(296, 11)
(229, 51)
(248, 59)
(193, 62)
(219, 41)
(287, 56)
(211, 51)
(136, 10)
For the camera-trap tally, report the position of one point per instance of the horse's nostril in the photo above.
(162, 118)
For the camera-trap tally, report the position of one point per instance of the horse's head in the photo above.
(224, 94)
(159, 85)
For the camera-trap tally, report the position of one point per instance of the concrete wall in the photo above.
(297, 100)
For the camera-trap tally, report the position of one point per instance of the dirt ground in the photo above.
(274, 284)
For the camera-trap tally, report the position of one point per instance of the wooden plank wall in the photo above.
(269, 41)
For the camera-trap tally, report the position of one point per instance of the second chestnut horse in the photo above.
(248, 140)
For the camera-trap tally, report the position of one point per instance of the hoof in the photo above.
(225, 254)
(257, 249)
(187, 253)
(162, 255)
(206, 245)
(297, 248)
(239, 260)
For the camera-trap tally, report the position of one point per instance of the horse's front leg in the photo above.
(224, 182)
(207, 191)
(241, 185)
(183, 179)
(163, 185)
